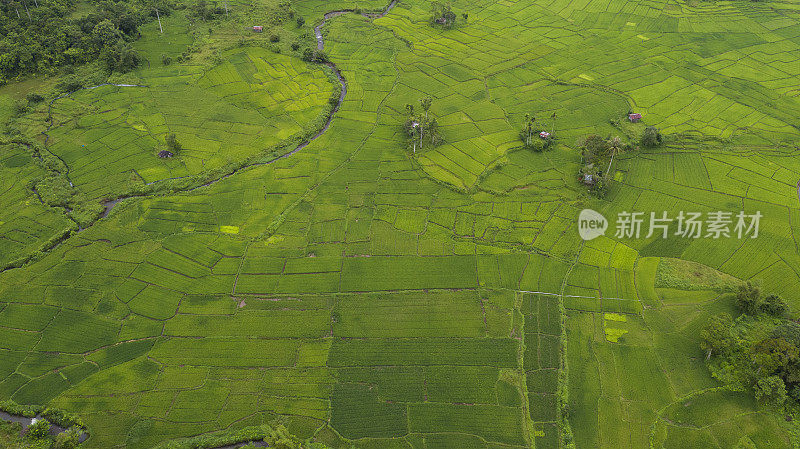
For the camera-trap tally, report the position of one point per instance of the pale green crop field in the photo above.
(368, 297)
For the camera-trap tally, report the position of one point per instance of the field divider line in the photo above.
(572, 296)
(562, 386)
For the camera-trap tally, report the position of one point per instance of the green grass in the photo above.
(369, 297)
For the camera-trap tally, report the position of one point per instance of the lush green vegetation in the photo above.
(48, 35)
(759, 351)
(388, 285)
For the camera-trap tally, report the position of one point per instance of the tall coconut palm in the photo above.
(527, 129)
(615, 144)
(426, 105)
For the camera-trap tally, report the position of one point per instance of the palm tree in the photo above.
(615, 144)
(426, 104)
(433, 131)
(415, 129)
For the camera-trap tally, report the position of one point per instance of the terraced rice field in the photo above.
(367, 297)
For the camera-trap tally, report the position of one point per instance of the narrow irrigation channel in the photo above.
(26, 422)
(109, 205)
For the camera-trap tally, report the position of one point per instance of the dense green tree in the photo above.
(748, 298)
(121, 57)
(594, 148)
(50, 37)
(105, 34)
(651, 137)
(39, 430)
(172, 143)
(773, 356)
(717, 337)
(774, 305)
(771, 390)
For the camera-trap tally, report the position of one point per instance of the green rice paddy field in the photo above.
(370, 298)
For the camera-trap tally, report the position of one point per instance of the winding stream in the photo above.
(26, 422)
(108, 205)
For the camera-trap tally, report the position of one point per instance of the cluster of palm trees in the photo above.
(421, 129)
(529, 130)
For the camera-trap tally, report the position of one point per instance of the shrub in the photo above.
(39, 429)
(69, 84)
(166, 59)
(314, 55)
(274, 38)
(300, 21)
(68, 439)
(295, 46)
(651, 137)
(34, 98)
(20, 107)
(774, 305)
(748, 298)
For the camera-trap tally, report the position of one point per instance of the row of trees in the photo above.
(40, 36)
(760, 349)
(421, 129)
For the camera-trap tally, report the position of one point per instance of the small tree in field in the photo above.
(442, 14)
(651, 137)
(172, 143)
(426, 105)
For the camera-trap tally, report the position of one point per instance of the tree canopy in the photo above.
(44, 35)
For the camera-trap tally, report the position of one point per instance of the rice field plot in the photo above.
(109, 136)
(542, 362)
(716, 419)
(28, 224)
(410, 371)
(372, 298)
(646, 366)
(712, 180)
